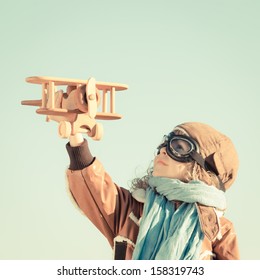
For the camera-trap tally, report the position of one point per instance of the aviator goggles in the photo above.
(179, 147)
(184, 149)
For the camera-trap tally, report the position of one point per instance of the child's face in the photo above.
(165, 166)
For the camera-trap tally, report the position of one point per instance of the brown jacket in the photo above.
(116, 214)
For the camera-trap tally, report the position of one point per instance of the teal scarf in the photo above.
(167, 233)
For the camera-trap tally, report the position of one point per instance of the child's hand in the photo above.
(76, 140)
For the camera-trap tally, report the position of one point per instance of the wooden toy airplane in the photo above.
(76, 109)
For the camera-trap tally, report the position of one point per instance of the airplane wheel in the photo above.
(64, 129)
(97, 132)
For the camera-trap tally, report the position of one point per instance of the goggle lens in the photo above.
(181, 147)
(178, 147)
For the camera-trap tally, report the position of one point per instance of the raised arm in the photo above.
(106, 205)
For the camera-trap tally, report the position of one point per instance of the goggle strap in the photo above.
(199, 159)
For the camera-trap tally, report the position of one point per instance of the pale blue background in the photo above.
(183, 61)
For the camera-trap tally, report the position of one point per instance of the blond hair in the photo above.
(197, 173)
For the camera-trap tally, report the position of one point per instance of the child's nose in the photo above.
(163, 151)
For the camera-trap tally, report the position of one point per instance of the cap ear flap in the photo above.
(225, 169)
(218, 162)
(223, 173)
(211, 164)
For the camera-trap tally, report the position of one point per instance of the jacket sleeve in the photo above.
(80, 156)
(227, 247)
(105, 204)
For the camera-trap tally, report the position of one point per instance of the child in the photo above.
(176, 210)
